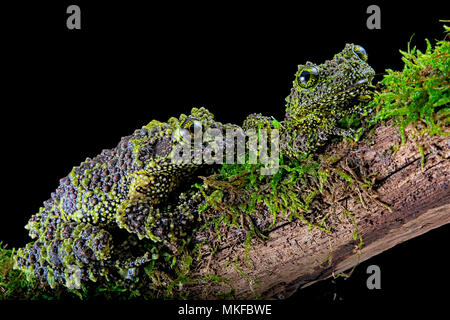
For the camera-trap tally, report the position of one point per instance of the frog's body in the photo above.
(131, 187)
(134, 186)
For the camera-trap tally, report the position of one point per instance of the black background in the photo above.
(68, 94)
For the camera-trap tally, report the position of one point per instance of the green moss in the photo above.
(418, 96)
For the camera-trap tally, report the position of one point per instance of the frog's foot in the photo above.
(258, 121)
(294, 143)
(128, 269)
(76, 252)
(350, 133)
(162, 223)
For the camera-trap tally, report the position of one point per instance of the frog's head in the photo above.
(332, 87)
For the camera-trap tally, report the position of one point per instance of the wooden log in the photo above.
(293, 257)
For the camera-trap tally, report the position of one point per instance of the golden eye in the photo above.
(360, 52)
(308, 77)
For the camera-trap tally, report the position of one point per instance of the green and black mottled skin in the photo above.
(133, 187)
(117, 211)
(321, 96)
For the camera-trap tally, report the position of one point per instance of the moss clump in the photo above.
(419, 94)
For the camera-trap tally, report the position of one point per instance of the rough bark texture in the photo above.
(293, 258)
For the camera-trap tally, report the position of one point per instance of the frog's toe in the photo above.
(167, 224)
(77, 252)
(348, 133)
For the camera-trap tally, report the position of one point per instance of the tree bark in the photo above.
(293, 257)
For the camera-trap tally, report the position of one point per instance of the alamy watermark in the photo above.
(212, 146)
(374, 280)
(374, 20)
(73, 277)
(74, 19)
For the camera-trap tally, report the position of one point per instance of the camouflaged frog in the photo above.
(133, 187)
(321, 96)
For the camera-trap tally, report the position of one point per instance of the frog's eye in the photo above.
(195, 125)
(308, 77)
(360, 52)
(191, 124)
(184, 134)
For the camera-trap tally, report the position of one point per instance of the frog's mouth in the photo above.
(358, 84)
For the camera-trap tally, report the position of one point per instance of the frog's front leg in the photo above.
(350, 133)
(257, 121)
(295, 142)
(167, 222)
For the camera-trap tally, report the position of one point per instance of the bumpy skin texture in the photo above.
(313, 109)
(72, 248)
(136, 186)
(131, 187)
(321, 96)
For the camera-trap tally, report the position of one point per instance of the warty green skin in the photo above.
(133, 187)
(313, 111)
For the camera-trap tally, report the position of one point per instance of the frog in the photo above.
(321, 96)
(116, 213)
(131, 198)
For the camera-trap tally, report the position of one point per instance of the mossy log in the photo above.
(415, 187)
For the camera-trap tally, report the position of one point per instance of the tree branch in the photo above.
(294, 257)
